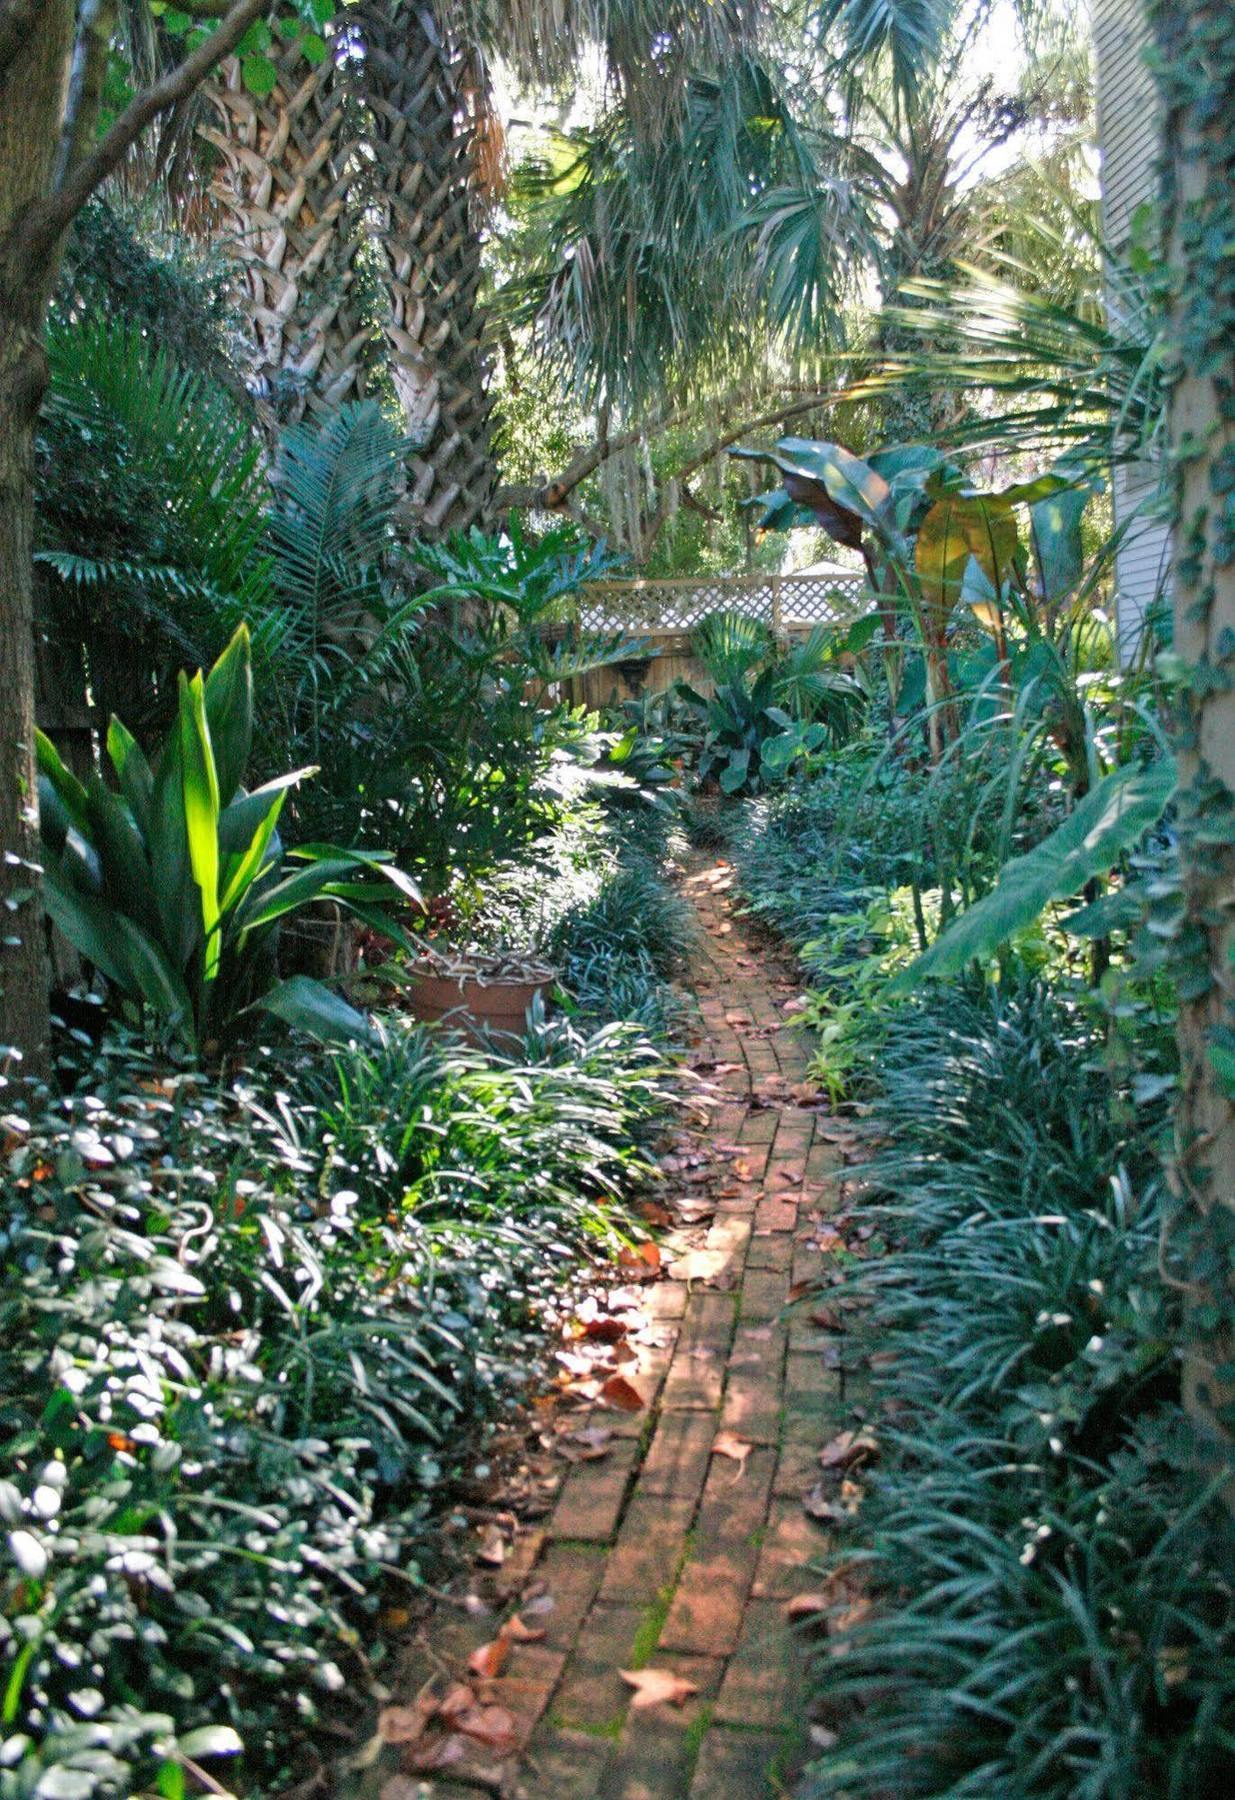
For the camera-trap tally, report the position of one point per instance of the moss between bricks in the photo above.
(656, 1612)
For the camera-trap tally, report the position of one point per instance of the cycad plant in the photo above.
(174, 886)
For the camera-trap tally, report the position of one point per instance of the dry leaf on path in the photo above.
(704, 1265)
(641, 1262)
(693, 1211)
(439, 1753)
(586, 1445)
(658, 1687)
(605, 1328)
(488, 1660)
(808, 1606)
(403, 1724)
(457, 1700)
(728, 1443)
(492, 1726)
(492, 1549)
(847, 1448)
(518, 1632)
(623, 1394)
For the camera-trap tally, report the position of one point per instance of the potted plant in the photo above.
(460, 774)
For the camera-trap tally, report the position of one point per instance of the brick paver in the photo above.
(664, 1552)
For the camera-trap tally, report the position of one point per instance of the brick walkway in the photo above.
(662, 1553)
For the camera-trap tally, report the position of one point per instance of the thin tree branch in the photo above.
(86, 75)
(45, 222)
(682, 474)
(554, 495)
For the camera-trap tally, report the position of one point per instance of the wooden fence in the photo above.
(663, 614)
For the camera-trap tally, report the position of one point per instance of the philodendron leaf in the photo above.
(1112, 818)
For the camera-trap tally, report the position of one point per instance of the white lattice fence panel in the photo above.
(677, 605)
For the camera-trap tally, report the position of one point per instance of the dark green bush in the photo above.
(1050, 1562)
(249, 1334)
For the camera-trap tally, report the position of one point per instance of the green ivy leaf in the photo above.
(256, 39)
(260, 74)
(1222, 1062)
(314, 47)
(321, 11)
(176, 22)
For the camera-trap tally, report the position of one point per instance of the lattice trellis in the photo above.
(783, 602)
(350, 189)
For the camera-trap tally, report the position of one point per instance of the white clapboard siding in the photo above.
(1129, 137)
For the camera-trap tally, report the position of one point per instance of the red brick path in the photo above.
(663, 1554)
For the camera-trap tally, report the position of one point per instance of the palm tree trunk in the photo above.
(351, 190)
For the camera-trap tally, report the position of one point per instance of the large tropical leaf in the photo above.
(200, 801)
(313, 1008)
(1111, 819)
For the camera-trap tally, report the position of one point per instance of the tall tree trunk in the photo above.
(31, 103)
(1197, 76)
(351, 190)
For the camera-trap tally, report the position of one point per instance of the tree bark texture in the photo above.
(1197, 76)
(32, 88)
(351, 194)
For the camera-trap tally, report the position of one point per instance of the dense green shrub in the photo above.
(1054, 1615)
(595, 899)
(250, 1333)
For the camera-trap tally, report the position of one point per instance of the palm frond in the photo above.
(907, 36)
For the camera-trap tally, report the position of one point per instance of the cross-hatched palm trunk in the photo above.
(350, 187)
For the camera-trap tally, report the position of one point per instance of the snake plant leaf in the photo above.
(1112, 818)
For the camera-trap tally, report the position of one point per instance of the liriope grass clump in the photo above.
(1047, 1550)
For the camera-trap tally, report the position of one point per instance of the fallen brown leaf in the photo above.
(456, 1700)
(848, 1448)
(658, 1687)
(403, 1724)
(728, 1443)
(492, 1726)
(518, 1632)
(488, 1660)
(808, 1606)
(619, 1392)
(586, 1445)
(437, 1753)
(606, 1328)
(492, 1549)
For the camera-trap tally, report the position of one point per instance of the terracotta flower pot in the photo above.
(474, 1003)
